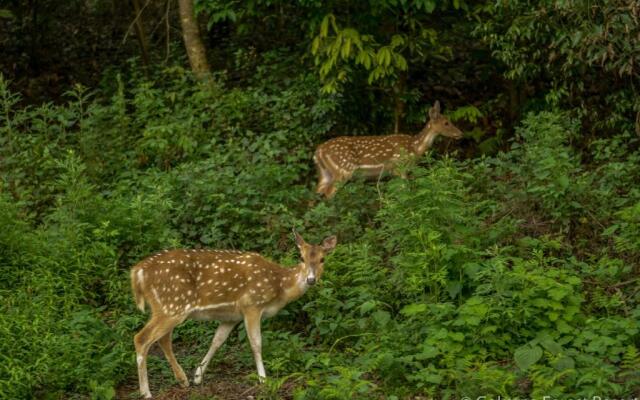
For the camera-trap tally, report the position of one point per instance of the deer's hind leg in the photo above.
(155, 329)
(326, 176)
(167, 349)
(331, 173)
(325, 181)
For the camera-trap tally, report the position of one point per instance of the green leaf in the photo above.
(315, 45)
(324, 26)
(367, 61)
(400, 62)
(429, 6)
(381, 57)
(574, 280)
(471, 269)
(4, 13)
(397, 41)
(563, 327)
(557, 293)
(427, 352)
(381, 317)
(563, 181)
(367, 306)
(430, 377)
(610, 230)
(454, 288)
(526, 356)
(346, 48)
(564, 363)
(363, 58)
(413, 309)
(551, 346)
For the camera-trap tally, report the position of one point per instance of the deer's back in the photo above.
(207, 284)
(358, 151)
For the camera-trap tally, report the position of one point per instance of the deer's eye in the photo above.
(446, 123)
(322, 260)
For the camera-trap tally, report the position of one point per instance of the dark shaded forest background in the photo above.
(507, 264)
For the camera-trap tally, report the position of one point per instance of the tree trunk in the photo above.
(142, 37)
(398, 92)
(514, 104)
(192, 42)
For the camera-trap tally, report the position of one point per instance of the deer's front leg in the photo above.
(252, 324)
(222, 333)
(401, 163)
(341, 176)
(400, 173)
(330, 191)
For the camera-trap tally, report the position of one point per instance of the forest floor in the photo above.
(222, 381)
(222, 387)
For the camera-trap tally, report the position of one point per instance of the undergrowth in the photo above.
(511, 275)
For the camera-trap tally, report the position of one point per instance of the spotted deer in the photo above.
(225, 285)
(339, 158)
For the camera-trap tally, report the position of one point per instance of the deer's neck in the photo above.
(296, 284)
(424, 140)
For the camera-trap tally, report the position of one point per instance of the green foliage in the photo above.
(6, 14)
(563, 43)
(547, 166)
(626, 233)
(381, 61)
(539, 36)
(66, 316)
(428, 261)
(109, 201)
(510, 275)
(384, 55)
(513, 274)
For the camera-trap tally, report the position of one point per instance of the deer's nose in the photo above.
(311, 280)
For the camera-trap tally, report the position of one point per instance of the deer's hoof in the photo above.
(197, 379)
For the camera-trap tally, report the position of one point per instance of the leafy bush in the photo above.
(67, 314)
(510, 275)
(566, 50)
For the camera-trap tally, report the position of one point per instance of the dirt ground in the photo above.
(223, 388)
(222, 381)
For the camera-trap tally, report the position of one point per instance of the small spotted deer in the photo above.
(337, 159)
(224, 285)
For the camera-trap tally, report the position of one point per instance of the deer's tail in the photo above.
(137, 278)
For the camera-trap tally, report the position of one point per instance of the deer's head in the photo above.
(440, 124)
(313, 256)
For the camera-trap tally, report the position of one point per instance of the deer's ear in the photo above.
(299, 240)
(329, 243)
(434, 112)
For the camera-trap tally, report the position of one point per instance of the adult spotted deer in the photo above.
(224, 285)
(337, 159)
